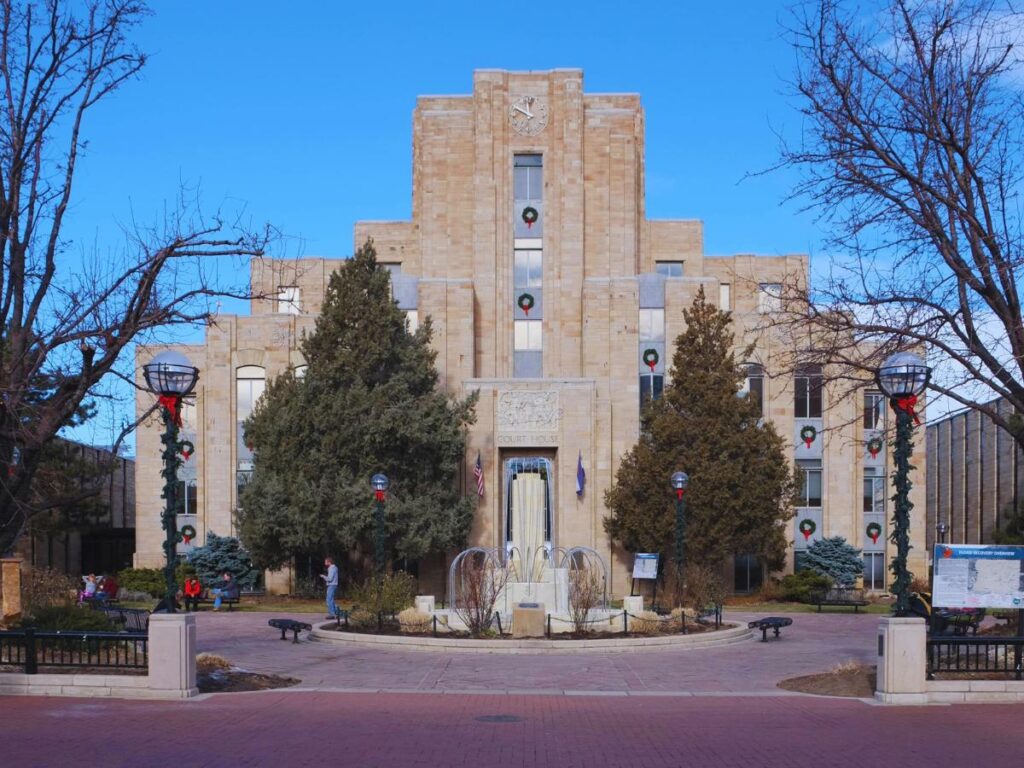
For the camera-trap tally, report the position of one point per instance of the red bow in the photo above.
(906, 404)
(171, 403)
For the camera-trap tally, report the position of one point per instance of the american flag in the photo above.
(478, 473)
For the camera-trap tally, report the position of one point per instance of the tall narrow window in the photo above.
(874, 491)
(250, 381)
(651, 387)
(528, 268)
(529, 177)
(289, 300)
(874, 410)
(724, 296)
(810, 485)
(807, 386)
(769, 298)
(412, 320)
(529, 335)
(652, 325)
(874, 571)
(755, 385)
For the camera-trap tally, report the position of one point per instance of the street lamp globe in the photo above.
(380, 482)
(903, 374)
(170, 373)
(942, 529)
(680, 480)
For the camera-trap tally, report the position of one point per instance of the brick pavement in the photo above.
(436, 730)
(815, 643)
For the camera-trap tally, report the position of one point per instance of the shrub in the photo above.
(586, 590)
(210, 662)
(480, 580)
(363, 618)
(223, 554)
(395, 591)
(646, 623)
(834, 558)
(45, 588)
(798, 587)
(415, 622)
(770, 591)
(69, 618)
(704, 588)
(148, 580)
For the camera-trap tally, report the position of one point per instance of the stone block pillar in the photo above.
(902, 661)
(10, 584)
(172, 654)
(633, 604)
(425, 604)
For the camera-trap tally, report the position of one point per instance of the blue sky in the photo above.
(301, 111)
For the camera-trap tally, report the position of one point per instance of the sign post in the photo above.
(645, 567)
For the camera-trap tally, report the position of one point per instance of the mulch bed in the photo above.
(237, 680)
(855, 681)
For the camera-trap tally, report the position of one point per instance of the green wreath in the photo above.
(651, 358)
(188, 533)
(526, 303)
(807, 528)
(186, 449)
(807, 434)
(874, 530)
(874, 446)
(530, 216)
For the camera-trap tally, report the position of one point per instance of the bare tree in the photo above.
(481, 579)
(64, 324)
(911, 153)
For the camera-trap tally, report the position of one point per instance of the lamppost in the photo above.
(679, 482)
(380, 485)
(942, 529)
(171, 377)
(902, 377)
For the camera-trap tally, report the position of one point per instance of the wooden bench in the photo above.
(207, 600)
(840, 597)
(775, 623)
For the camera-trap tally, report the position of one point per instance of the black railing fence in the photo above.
(988, 654)
(32, 649)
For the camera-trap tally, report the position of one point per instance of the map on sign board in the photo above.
(978, 576)
(645, 566)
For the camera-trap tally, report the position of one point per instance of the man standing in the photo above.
(332, 586)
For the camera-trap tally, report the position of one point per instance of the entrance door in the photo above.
(528, 513)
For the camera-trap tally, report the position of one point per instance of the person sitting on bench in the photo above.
(228, 590)
(193, 590)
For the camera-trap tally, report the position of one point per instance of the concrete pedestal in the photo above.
(529, 621)
(633, 604)
(425, 604)
(10, 589)
(902, 661)
(172, 654)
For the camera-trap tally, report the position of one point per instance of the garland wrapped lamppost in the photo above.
(380, 485)
(902, 377)
(679, 482)
(171, 377)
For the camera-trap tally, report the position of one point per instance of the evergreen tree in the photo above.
(220, 554)
(834, 558)
(741, 483)
(369, 402)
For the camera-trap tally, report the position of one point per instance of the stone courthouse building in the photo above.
(557, 299)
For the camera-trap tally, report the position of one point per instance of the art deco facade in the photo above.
(555, 298)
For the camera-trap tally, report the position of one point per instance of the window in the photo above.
(810, 485)
(528, 269)
(874, 410)
(412, 320)
(769, 298)
(651, 387)
(186, 498)
(391, 267)
(807, 386)
(529, 177)
(289, 300)
(874, 571)
(874, 490)
(529, 335)
(669, 268)
(748, 575)
(652, 325)
(250, 381)
(189, 416)
(755, 385)
(724, 296)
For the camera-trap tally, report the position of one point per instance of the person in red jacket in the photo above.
(193, 590)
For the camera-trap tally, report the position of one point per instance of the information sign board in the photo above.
(978, 576)
(645, 565)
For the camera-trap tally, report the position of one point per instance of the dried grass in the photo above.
(210, 662)
(415, 622)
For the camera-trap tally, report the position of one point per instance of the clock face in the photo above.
(528, 115)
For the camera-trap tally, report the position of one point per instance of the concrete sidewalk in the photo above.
(815, 643)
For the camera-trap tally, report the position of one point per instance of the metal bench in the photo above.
(775, 623)
(289, 625)
(128, 619)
